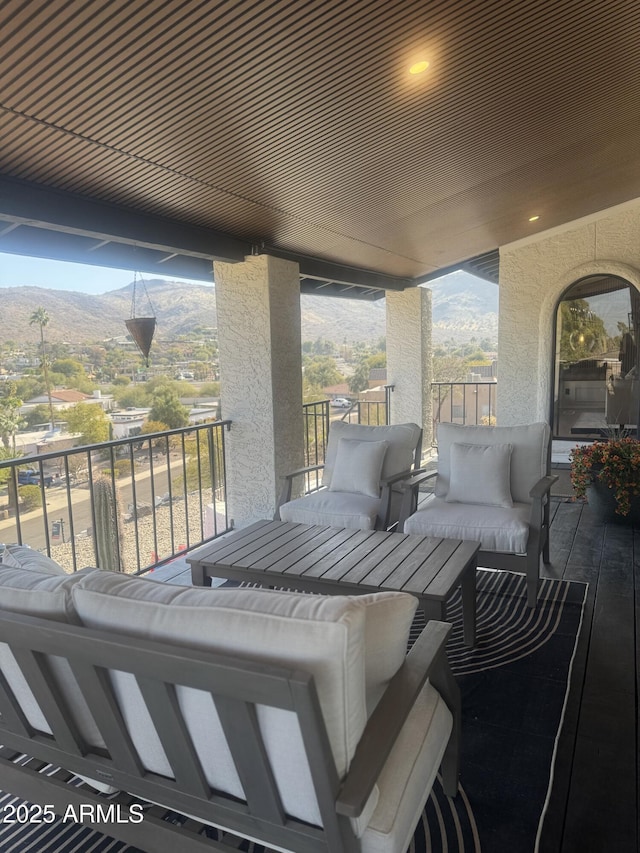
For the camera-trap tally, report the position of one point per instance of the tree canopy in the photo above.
(168, 409)
(90, 421)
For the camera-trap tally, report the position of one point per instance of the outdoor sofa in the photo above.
(295, 720)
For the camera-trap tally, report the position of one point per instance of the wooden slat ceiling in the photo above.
(296, 126)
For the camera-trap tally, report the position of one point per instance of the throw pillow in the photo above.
(358, 467)
(480, 474)
(23, 557)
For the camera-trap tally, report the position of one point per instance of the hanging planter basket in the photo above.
(141, 329)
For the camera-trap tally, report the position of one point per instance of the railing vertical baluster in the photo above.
(171, 525)
(199, 458)
(14, 475)
(70, 520)
(132, 463)
(93, 506)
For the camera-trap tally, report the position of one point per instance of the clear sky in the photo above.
(19, 270)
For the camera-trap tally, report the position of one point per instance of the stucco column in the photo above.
(258, 305)
(409, 350)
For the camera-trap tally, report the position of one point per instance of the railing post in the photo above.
(387, 399)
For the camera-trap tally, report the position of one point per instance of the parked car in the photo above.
(31, 477)
(341, 403)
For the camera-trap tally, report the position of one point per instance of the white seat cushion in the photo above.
(408, 775)
(497, 528)
(333, 509)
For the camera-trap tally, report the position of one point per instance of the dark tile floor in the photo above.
(594, 802)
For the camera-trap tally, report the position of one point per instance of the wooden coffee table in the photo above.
(339, 561)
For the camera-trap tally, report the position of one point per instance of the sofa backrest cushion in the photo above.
(24, 557)
(529, 454)
(402, 441)
(48, 596)
(322, 635)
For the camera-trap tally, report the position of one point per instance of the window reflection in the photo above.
(596, 360)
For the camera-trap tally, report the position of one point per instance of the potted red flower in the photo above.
(607, 473)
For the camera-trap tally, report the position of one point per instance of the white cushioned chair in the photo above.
(363, 467)
(492, 486)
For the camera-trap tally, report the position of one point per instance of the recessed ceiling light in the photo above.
(419, 67)
(534, 218)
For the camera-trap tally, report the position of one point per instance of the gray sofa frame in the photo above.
(237, 685)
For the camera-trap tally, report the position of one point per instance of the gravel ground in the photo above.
(156, 542)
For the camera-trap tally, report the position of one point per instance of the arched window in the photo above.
(596, 365)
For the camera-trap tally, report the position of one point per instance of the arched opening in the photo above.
(597, 357)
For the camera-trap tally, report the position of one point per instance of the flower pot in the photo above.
(603, 504)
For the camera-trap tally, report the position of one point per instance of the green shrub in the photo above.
(122, 467)
(30, 497)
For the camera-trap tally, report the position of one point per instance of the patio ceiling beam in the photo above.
(64, 226)
(335, 273)
(45, 222)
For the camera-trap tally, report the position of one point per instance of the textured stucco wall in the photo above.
(258, 304)
(533, 275)
(409, 365)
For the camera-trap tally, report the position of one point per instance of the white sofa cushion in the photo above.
(23, 557)
(323, 635)
(47, 596)
(408, 775)
(358, 466)
(402, 440)
(529, 455)
(387, 626)
(333, 509)
(497, 528)
(480, 474)
(40, 593)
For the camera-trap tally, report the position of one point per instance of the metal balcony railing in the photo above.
(470, 403)
(317, 422)
(171, 487)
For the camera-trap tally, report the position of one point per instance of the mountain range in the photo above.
(463, 307)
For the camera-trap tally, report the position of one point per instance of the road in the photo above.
(32, 523)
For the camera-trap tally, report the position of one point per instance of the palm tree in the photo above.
(41, 318)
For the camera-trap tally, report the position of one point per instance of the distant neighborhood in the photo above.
(61, 386)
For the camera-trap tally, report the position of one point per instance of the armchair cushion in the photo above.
(528, 458)
(480, 474)
(358, 466)
(333, 509)
(497, 528)
(402, 438)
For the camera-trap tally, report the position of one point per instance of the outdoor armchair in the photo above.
(363, 468)
(492, 485)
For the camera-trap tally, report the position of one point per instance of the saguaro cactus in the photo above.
(109, 528)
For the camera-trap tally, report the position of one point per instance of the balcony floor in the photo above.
(594, 801)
